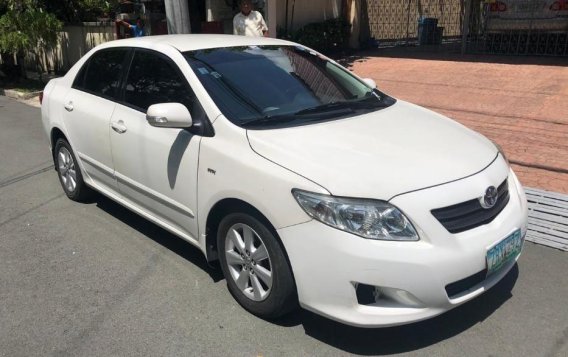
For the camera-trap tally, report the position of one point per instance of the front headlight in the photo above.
(366, 218)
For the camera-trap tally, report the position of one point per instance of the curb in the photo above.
(11, 93)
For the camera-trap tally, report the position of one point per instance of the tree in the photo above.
(76, 11)
(25, 26)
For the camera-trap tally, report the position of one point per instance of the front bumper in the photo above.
(329, 264)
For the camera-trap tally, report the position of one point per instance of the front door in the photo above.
(156, 168)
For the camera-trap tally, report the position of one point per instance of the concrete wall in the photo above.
(306, 11)
(74, 42)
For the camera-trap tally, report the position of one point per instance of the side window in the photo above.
(153, 79)
(79, 82)
(103, 73)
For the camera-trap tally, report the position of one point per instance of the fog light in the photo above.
(384, 296)
(377, 293)
(403, 297)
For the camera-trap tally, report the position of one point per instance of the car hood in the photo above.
(378, 155)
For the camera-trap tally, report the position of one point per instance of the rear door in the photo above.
(156, 168)
(88, 108)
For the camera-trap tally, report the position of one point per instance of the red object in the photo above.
(41, 97)
(212, 27)
(159, 28)
(559, 5)
(498, 6)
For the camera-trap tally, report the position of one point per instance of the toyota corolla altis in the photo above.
(309, 185)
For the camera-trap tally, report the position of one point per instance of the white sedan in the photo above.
(309, 185)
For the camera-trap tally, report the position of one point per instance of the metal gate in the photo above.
(518, 27)
(511, 27)
(411, 22)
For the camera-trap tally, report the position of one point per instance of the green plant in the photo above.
(77, 11)
(281, 33)
(92, 9)
(26, 27)
(326, 36)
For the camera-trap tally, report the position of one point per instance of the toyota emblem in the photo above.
(490, 198)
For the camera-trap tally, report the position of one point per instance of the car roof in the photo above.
(196, 41)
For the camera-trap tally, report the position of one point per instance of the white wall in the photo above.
(73, 42)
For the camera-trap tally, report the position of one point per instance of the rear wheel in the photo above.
(69, 172)
(255, 267)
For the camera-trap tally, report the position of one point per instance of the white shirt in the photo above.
(251, 25)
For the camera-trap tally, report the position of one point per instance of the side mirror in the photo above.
(169, 115)
(371, 83)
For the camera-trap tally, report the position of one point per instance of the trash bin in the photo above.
(427, 30)
(439, 34)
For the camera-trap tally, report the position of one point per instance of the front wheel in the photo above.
(255, 267)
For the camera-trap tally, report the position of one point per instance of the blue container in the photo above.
(427, 30)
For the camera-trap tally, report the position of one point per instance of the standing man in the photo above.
(249, 22)
(137, 30)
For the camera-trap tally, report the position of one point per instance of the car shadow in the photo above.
(178, 149)
(350, 339)
(406, 338)
(159, 235)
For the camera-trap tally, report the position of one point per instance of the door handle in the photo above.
(119, 127)
(69, 106)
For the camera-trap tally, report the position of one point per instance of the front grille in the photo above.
(469, 214)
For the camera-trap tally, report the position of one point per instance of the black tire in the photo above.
(282, 297)
(80, 192)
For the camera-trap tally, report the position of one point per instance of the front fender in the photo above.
(229, 168)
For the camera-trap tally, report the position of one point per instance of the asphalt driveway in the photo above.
(95, 279)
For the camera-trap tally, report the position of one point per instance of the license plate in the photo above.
(504, 251)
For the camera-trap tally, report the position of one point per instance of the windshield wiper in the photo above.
(364, 103)
(269, 119)
(323, 108)
(303, 117)
(325, 111)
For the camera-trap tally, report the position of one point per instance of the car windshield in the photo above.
(267, 86)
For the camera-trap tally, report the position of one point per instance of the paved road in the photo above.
(95, 279)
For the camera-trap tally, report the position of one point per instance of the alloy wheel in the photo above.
(248, 261)
(66, 168)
